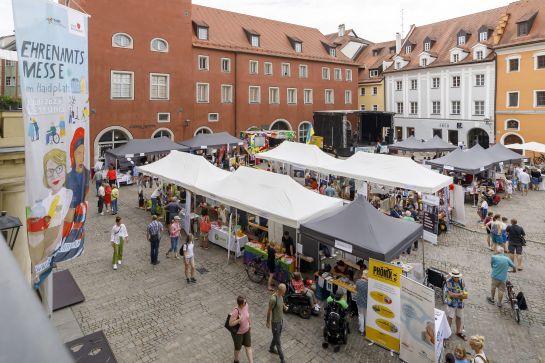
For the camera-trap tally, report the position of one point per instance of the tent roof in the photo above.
(437, 144)
(530, 146)
(395, 171)
(204, 141)
(409, 144)
(371, 233)
(471, 161)
(305, 155)
(136, 147)
(502, 154)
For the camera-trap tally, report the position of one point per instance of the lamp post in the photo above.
(9, 227)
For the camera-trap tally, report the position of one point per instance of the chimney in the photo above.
(341, 30)
(398, 43)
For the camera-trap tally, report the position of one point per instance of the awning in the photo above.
(143, 147)
(436, 144)
(472, 161)
(500, 153)
(302, 155)
(530, 146)
(409, 144)
(206, 141)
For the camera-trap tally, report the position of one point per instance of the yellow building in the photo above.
(12, 180)
(520, 89)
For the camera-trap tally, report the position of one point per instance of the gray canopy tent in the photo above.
(143, 147)
(206, 141)
(409, 144)
(361, 230)
(500, 153)
(436, 144)
(472, 161)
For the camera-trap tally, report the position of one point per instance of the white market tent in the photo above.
(298, 154)
(530, 146)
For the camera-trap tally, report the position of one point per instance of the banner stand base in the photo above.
(66, 291)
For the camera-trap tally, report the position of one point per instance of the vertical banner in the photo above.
(383, 322)
(52, 51)
(458, 205)
(417, 322)
(431, 217)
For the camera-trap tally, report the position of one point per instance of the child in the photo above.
(460, 354)
(509, 188)
(189, 259)
(115, 196)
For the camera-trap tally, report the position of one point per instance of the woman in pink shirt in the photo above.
(174, 231)
(241, 316)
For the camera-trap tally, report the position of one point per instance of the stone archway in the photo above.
(280, 125)
(512, 138)
(478, 136)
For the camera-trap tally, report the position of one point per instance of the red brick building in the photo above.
(179, 69)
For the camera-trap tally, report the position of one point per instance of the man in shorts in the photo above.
(524, 181)
(500, 265)
(456, 293)
(516, 240)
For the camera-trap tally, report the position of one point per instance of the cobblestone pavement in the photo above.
(150, 314)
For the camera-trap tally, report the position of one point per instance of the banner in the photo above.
(52, 52)
(430, 221)
(417, 322)
(382, 324)
(458, 205)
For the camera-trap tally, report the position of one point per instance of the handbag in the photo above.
(232, 329)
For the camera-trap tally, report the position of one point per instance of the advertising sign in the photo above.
(417, 322)
(430, 221)
(52, 52)
(383, 323)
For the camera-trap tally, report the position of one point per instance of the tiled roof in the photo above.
(445, 35)
(226, 31)
(369, 61)
(521, 11)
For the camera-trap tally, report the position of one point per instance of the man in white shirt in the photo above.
(154, 199)
(524, 179)
(118, 238)
(101, 193)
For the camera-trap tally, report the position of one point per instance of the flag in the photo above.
(310, 133)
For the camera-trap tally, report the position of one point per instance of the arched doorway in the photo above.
(163, 132)
(280, 125)
(203, 130)
(304, 126)
(509, 139)
(478, 136)
(110, 138)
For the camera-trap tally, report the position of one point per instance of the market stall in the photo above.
(219, 235)
(299, 155)
(136, 149)
(471, 161)
(210, 141)
(409, 144)
(285, 265)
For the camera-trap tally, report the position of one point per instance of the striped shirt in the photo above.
(155, 228)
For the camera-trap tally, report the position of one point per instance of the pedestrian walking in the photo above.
(484, 209)
(112, 176)
(361, 300)
(271, 265)
(155, 228)
(241, 316)
(456, 294)
(100, 194)
(118, 238)
(204, 228)
(476, 343)
(509, 188)
(516, 237)
(115, 197)
(275, 317)
(495, 232)
(188, 250)
(487, 223)
(500, 264)
(174, 231)
(108, 197)
(172, 209)
(524, 179)
(98, 178)
(155, 200)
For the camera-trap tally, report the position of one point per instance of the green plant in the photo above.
(8, 103)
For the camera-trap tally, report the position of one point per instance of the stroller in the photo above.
(299, 303)
(336, 326)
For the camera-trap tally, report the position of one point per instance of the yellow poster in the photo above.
(317, 140)
(384, 304)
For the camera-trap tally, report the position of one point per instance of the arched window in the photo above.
(512, 125)
(253, 128)
(110, 139)
(203, 130)
(303, 131)
(163, 132)
(122, 40)
(159, 45)
(280, 125)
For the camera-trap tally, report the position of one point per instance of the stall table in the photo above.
(284, 269)
(220, 237)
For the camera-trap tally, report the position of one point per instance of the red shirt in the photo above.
(299, 286)
(111, 174)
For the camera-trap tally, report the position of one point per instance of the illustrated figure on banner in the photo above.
(33, 130)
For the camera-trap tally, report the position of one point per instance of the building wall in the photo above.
(8, 69)
(369, 99)
(525, 81)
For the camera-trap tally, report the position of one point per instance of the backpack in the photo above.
(483, 359)
(521, 301)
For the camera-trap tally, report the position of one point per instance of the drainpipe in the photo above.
(495, 94)
(235, 84)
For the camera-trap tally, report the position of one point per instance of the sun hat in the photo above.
(177, 217)
(455, 273)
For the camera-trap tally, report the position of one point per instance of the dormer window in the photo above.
(330, 48)
(455, 58)
(461, 40)
(424, 62)
(253, 37)
(296, 44)
(479, 55)
(523, 29)
(202, 33)
(408, 49)
(524, 25)
(298, 47)
(392, 50)
(373, 73)
(427, 46)
(332, 52)
(255, 41)
(398, 65)
(483, 36)
(428, 43)
(462, 37)
(376, 52)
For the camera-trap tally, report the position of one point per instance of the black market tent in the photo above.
(472, 161)
(409, 144)
(500, 153)
(370, 233)
(205, 141)
(437, 144)
(144, 147)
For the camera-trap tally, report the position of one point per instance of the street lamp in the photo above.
(9, 227)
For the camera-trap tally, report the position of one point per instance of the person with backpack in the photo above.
(517, 240)
(189, 258)
(476, 343)
(275, 316)
(240, 316)
(118, 238)
(204, 228)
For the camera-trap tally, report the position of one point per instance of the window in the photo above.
(414, 108)
(292, 96)
(479, 55)
(376, 52)
(348, 75)
(453, 137)
(337, 74)
(213, 117)
(399, 107)
(159, 86)
(332, 52)
(268, 68)
(512, 99)
(399, 85)
(347, 97)
(203, 92)
(303, 131)
(513, 65)
(162, 133)
(512, 125)
(254, 65)
(479, 80)
(10, 81)
(399, 133)
(539, 97)
(424, 62)
(325, 73)
(329, 97)
(436, 107)
(455, 58)
(455, 81)
(539, 62)
(375, 107)
(255, 94)
(122, 86)
(159, 45)
(203, 131)
(202, 33)
(122, 40)
(274, 95)
(303, 71)
(435, 82)
(478, 108)
(362, 107)
(226, 65)
(307, 93)
(398, 65)
(286, 72)
(226, 93)
(414, 84)
(362, 91)
(408, 49)
(523, 28)
(375, 91)
(461, 40)
(455, 110)
(255, 41)
(9, 63)
(298, 47)
(163, 117)
(427, 46)
(111, 139)
(410, 131)
(203, 62)
(373, 73)
(483, 36)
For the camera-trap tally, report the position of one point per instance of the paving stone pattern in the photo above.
(150, 314)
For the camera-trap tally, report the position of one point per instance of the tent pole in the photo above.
(422, 242)
(229, 238)
(297, 257)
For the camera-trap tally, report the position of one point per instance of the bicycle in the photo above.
(540, 159)
(257, 270)
(512, 299)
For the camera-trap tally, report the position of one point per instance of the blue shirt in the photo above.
(500, 264)
(330, 191)
(456, 288)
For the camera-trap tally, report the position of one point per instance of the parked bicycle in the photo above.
(517, 301)
(257, 270)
